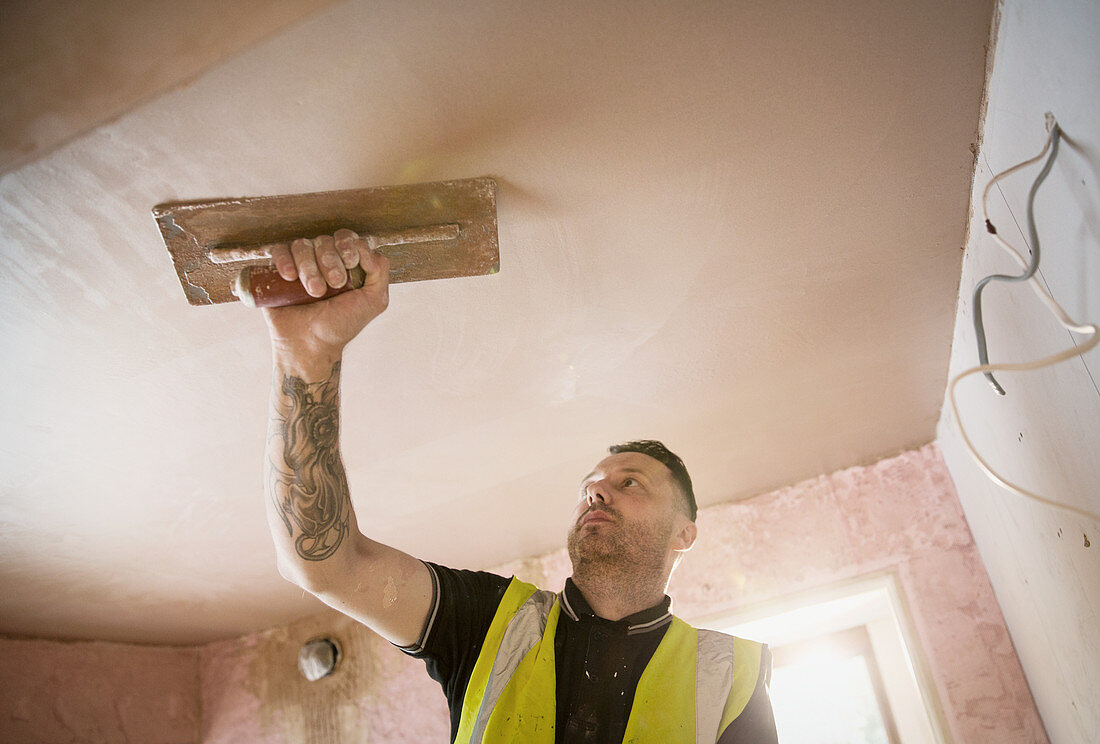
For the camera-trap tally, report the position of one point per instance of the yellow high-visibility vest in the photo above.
(697, 682)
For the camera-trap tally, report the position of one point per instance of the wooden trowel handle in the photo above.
(261, 286)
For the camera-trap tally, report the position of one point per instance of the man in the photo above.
(603, 661)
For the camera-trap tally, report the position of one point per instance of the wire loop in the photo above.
(1030, 268)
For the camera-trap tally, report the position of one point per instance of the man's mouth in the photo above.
(596, 515)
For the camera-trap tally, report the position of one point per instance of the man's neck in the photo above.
(613, 598)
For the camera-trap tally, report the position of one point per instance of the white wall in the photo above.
(1045, 433)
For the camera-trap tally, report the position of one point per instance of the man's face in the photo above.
(628, 513)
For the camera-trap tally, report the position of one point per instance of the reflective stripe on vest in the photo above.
(696, 683)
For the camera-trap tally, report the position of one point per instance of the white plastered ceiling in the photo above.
(735, 227)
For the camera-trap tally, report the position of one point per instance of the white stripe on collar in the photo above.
(651, 625)
(630, 629)
(568, 608)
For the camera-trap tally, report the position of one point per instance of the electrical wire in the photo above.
(1032, 266)
(1029, 275)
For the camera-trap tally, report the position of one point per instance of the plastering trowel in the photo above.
(221, 248)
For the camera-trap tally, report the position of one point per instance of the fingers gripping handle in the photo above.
(261, 286)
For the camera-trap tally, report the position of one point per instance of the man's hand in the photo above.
(319, 331)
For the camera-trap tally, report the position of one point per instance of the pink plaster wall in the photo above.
(74, 693)
(899, 514)
(252, 692)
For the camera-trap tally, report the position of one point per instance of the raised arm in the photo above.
(317, 537)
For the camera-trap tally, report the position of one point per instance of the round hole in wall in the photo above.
(318, 658)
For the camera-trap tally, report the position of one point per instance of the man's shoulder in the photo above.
(462, 583)
(721, 647)
(719, 636)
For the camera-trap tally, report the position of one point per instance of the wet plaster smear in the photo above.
(899, 515)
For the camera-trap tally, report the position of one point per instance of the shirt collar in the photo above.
(574, 606)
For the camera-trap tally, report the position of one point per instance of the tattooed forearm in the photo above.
(306, 478)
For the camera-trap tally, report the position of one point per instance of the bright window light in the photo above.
(823, 694)
(843, 667)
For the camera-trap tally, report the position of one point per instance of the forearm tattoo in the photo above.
(309, 487)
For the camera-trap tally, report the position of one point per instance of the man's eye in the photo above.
(630, 482)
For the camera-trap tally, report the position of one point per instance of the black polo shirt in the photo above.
(603, 661)
(599, 662)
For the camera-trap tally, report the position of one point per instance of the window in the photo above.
(842, 671)
(829, 690)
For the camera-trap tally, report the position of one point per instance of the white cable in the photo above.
(1063, 318)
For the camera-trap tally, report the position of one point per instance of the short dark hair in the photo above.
(670, 460)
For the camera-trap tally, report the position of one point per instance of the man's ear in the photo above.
(685, 538)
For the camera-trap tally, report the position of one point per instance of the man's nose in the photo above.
(596, 491)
